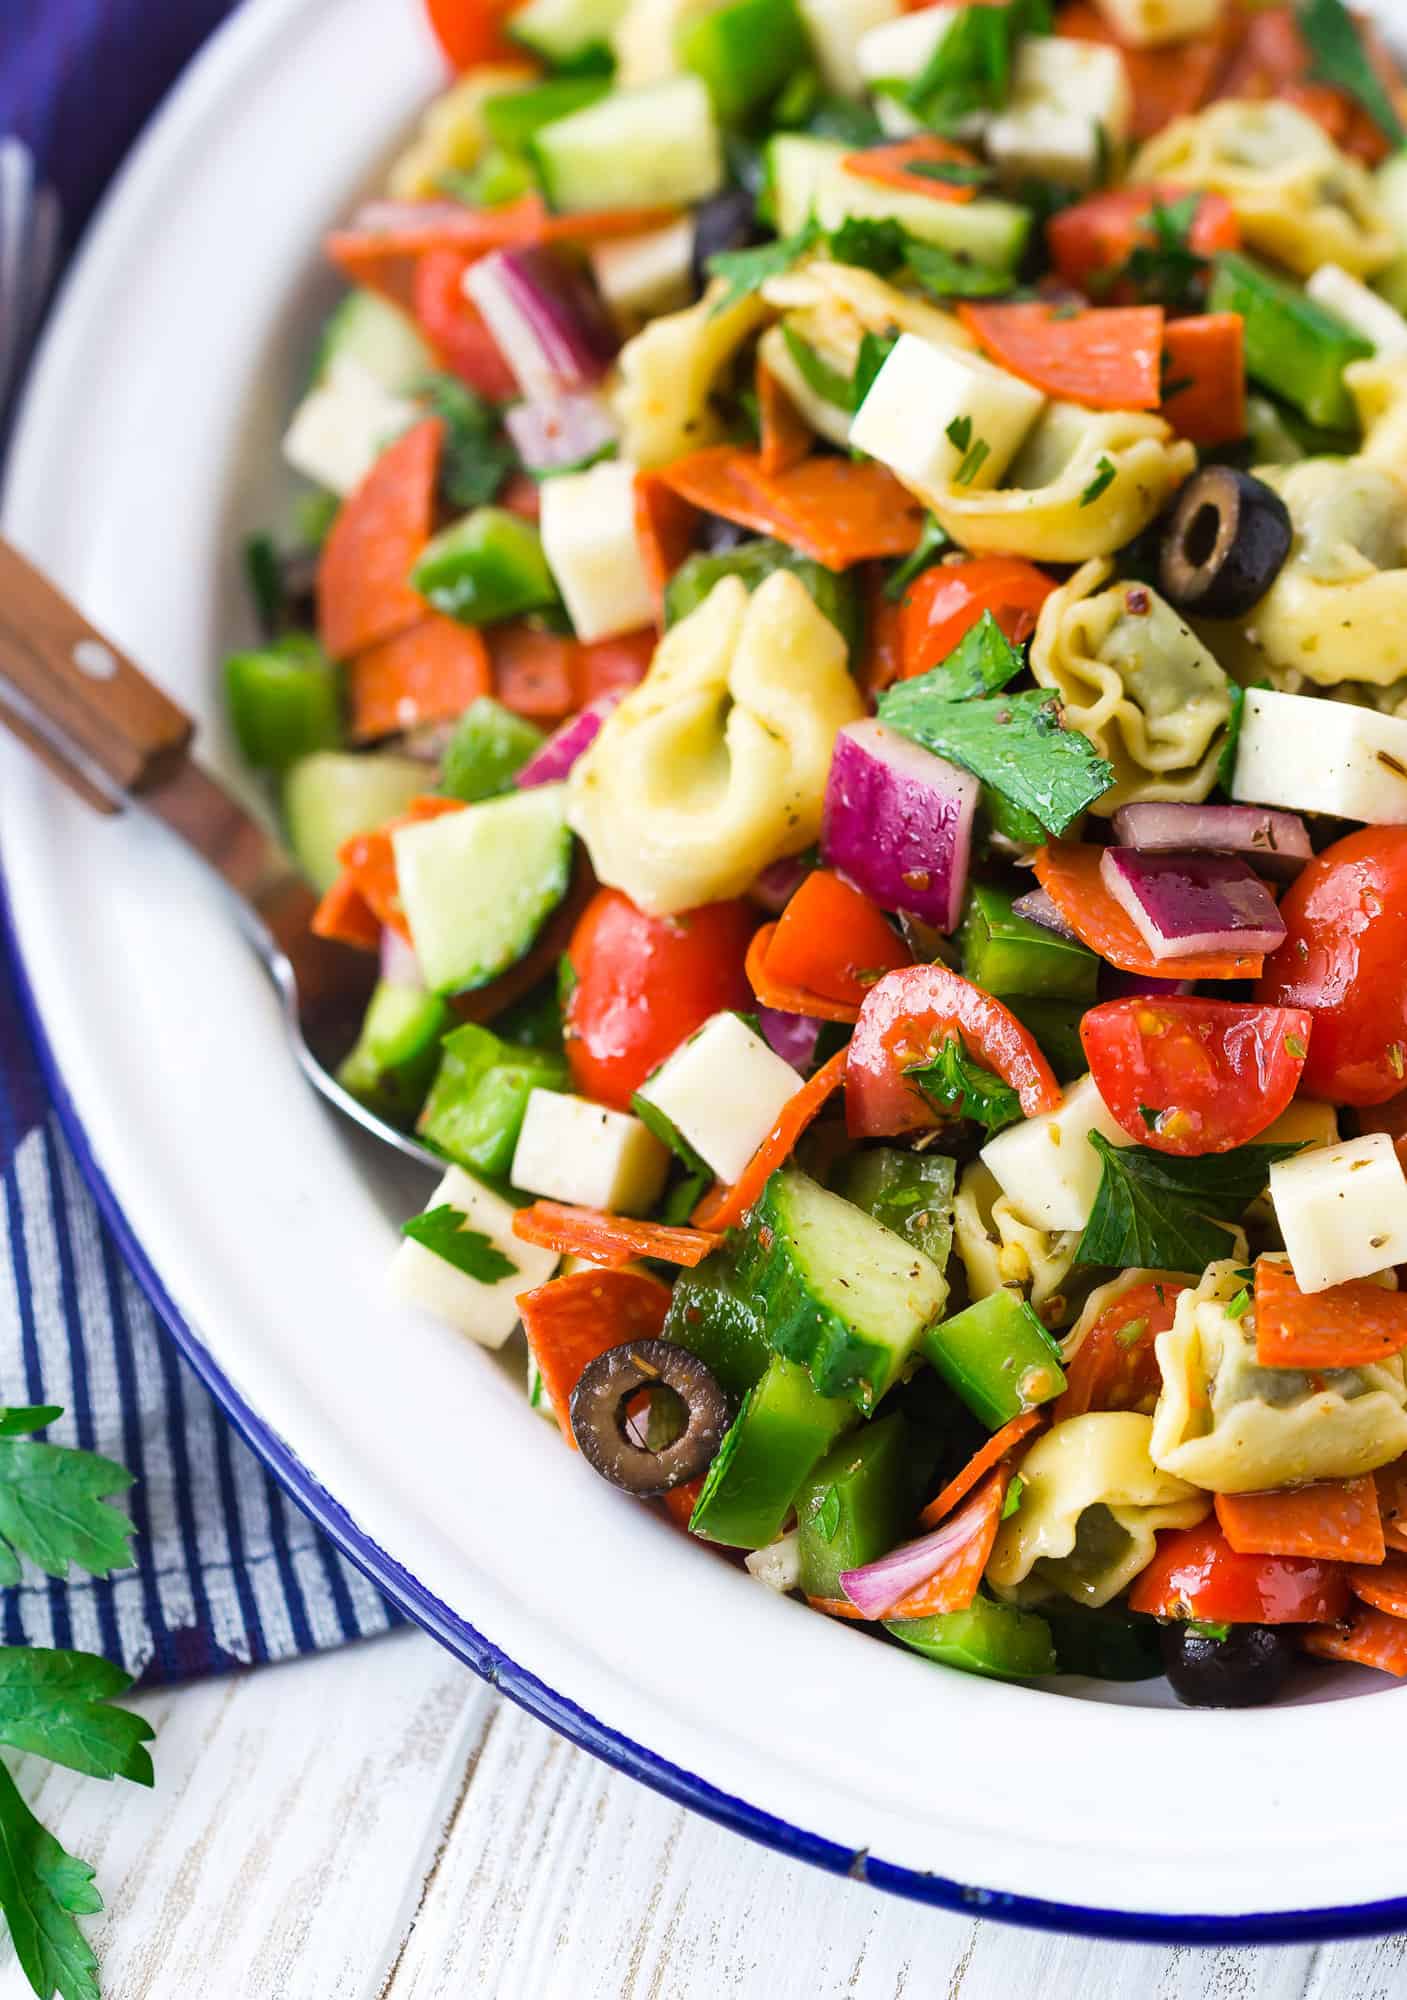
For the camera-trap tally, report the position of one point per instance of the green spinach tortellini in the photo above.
(1296, 196)
(716, 764)
(1092, 1501)
(1231, 1426)
(996, 1247)
(1084, 483)
(1136, 679)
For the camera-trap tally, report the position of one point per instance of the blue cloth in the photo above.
(228, 1572)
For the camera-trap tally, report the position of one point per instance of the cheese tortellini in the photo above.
(1231, 1426)
(1138, 682)
(1092, 1501)
(716, 764)
(998, 1248)
(1296, 196)
(1084, 483)
(668, 372)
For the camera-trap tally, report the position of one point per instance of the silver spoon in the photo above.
(84, 710)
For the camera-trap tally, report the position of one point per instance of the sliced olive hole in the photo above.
(653, 1416)
(1201, 536)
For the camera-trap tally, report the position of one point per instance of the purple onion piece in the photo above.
(898, 823)
(791, 1036)
(546, 317)
(1037, 906)
(779, 882)
(1275, 843)
(1182, 904)
(399, 964)
(565, 745)
(879, 1586)
(562, 432)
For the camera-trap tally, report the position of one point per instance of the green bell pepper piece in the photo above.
(781, 1430)
(489, 746)
(1293, 346)
(1008, 955)
(987, 1638)
(835, 595)
(910, 1193)
(857, 1504)
(475, 1109)
(285, 701)
(997, 1356)
(396, 1052)
(512, 117)
(709, 1315)
(500, 176)
(744, 51)
(488, 566)
(535, 1021)
(1108, 1644)
(1056, 1027)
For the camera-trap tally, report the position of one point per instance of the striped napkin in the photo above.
(228, 1572)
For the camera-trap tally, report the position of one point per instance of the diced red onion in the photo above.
(565, 745)
(898, 822)
(792, 1036)
(399, 964)
(1039, 907)
(1275, 843)
(546, 317)
(779, 882)
(879, 1586)
(1182, 904)
(561, 432)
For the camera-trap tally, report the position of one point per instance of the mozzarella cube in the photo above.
(1312, 755)
(648, 273)
(572, 1150)
(1146, 24)
(722, 1091)
(343, 425)
(486, 1311)
(1046, 1166)
(1069, 102)
(930, 408)
(836, 29)
(588, 538)
(900, 49)
(1350, 300)
(778, 1565)
(1342, 1210)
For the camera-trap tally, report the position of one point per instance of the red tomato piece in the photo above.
(1116, 1364)
(1108, 358)
(645, 983)
(1186, 1075)
(1093, 239)
(455, 327)
(903, 1018)
(947, 601)
(471, 31)
(1197, 1574)
(1345, 958)
(832, 940)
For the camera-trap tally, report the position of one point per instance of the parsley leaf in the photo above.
(970, 68)
(975, 458)
(1226, 762)
(1166, 270)
(1168, 1213)
(59, 1705)
(1013, 1496)
(875, 350)
(874, 243)
(934, 540)
(748, 270)
(983, 660)
(445, 1233)
(263, 572)
(660, 1127)
(825, 1517)
(42, 1889)
(951, 1079)
(952, 173)
(1337, 56)
(816, 372)
(23, 1418)
(476, 457)
(1202, 1628)
(953, 277)
(1105, 473)
(684, 1197)
(54, 1505)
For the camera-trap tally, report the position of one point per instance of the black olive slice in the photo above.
(1244, 1669)
(726, 221)
(1224, 546)
(608, 1441)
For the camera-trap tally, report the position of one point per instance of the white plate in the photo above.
(264, 1231)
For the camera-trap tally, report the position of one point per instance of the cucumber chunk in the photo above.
(332, 795)
(808, 176)
(709, 1315)
(998, 1357)
(744, 51)
(910, 1193)
(781, 1430)
(657, 146)
(478, 885)
(512, 117)
(837, 1290)
(365, 328)
(987, 1638)
(562, 31)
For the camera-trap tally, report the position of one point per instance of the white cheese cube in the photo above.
(899, 50)
(836, 28)
(1342, 1210)
(1146, 24)
(1047, 1167)
(1069, 102)
(572, 1150)
(487, 1312)
(930, 408)
(722, 1090)
(1311, 755)
(648, 273)
(588, 538)
(1350, 300)
(778, 1565)
(343, 425)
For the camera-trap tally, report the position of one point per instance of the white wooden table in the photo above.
(379, 1825)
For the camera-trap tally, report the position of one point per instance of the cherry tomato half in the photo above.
(1093, 239)
(833, 941)
(645, 983)
(455, 327)
(947, 601)
(1345, 958)
(1116, 1364)
(471, 31)
(904, 1015)
(1197, 1574)
(1185, 1075)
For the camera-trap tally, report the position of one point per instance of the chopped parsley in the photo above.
(875, 350)
(1202, 1628)
(1164, 269)
(934, 541)
(1166, 1213)
(816, 372)
(970, 68)
(748, 270)
(872, 243)
(949, 276)
(1296, 1046)
(952, 1080)
(1240, 1305)
(476, 456)
(1105, 473)
(444, 1231)
(1013, 1496)
(1149, 1116)
(951, 173)
(1337, 56)
(983, 661)
(972, 464)
(1226, 762)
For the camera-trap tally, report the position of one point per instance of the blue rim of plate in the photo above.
(622, 1753)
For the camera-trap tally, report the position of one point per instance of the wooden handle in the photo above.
(76, 691)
